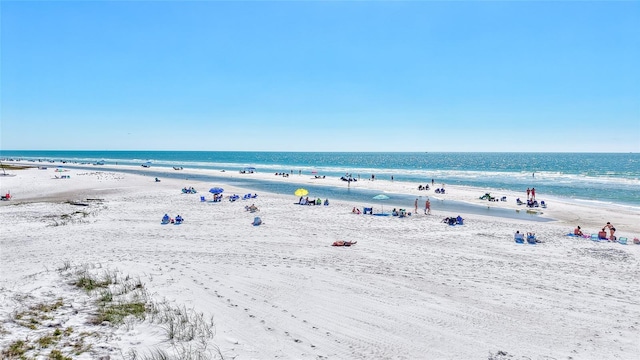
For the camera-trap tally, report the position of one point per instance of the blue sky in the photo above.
(320, 76)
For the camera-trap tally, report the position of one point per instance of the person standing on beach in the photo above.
(612, 230)
(415, 204)
(427, 207)
(528, 193)
(533, 193)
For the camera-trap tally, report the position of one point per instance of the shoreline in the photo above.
(563, 178)
(573, 212)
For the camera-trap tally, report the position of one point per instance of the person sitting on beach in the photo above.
(326, 202)
(602, 234)
(394, 212)
(577, 231)
(343, 243)
(179, 219)
(519, 236)
(252, 208)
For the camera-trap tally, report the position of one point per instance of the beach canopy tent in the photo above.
(381, 197)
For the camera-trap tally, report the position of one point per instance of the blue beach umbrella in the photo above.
(216, 190)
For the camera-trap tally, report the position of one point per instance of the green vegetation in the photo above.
(115, 313)
(118, 300)
(87, 282)
(57, 355)
(34, 316)
(16, 350)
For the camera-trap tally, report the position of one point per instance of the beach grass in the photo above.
(122, 299)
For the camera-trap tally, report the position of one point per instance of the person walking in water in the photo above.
(415, 205)
(528, 193)
(427, 207)
(533, 193)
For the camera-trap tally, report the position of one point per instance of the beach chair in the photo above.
(202, 198)
(246, 197)
(165, 219)
(367, 210)
(622, 240)
(519, 238)
(256, 221)
(543, 204)
(531, 239)
(519, 202)
(594, 237)
(179, 220)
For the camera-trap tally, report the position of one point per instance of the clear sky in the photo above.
(321, 76)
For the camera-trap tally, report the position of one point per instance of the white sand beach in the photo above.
(411, 288)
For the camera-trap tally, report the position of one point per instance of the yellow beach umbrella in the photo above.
(301, 192)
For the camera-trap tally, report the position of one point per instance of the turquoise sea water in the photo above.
(593, 177)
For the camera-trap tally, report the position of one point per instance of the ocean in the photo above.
(606, 178)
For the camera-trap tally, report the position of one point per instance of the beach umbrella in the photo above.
(301, 192)
(381, 197)
(216, 190)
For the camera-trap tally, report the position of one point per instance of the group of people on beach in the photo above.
(602, 234)
(531, 194)
(166, 219)
(427, 206)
